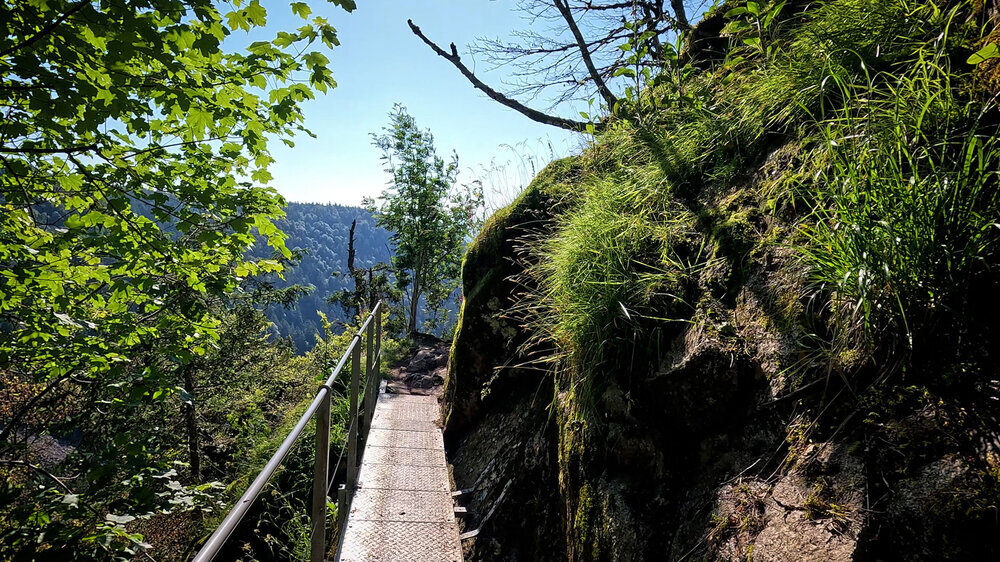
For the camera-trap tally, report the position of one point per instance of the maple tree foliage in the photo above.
(133, 178)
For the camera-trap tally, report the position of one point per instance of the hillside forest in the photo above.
(321, 233)
(753, 317)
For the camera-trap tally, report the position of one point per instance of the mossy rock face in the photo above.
(702, 387)
(485, 341)
(710, 412)
(604, 470)
(946, 510)
(507, 458)
(501, 439)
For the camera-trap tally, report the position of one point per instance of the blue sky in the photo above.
(380, 62)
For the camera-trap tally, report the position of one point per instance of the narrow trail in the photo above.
(403, 508)
(423, 372)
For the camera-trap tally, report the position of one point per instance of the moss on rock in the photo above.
(696, 400)
(485, 341)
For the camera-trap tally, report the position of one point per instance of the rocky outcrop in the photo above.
(716, 455)
(487, 339)
(423, 369)
(499, 430)
(730, 410)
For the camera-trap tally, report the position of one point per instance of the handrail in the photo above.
(320, 405)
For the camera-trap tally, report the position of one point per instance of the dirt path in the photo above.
(423, 371)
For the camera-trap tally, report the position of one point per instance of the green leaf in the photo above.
(119, 519)
(284, 39)
(315, 59)
(301, 9)
(739, 26)
(990, 51)
(237, 20)
(256, 14)
(260, 48)
(772, 13)
(71, 182)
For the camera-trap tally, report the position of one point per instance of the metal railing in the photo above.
(360, 423)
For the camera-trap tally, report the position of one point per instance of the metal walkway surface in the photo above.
(403, 510)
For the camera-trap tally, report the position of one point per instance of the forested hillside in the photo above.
(755, 318)
(321, 232)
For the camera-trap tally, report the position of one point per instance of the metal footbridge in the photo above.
(403, 507)
(395, 501)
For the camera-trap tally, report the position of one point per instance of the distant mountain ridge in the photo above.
(322, 231)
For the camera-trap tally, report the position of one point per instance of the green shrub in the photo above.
(907, 216)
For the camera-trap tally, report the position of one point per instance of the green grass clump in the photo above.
(616, 268)
(861, 119)
(906, 221)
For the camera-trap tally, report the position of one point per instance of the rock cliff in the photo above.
(675, 394)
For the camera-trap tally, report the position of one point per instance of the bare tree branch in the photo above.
(58, 481)
(602, 87)
(545, 60)
(528, 112)
(590, 6)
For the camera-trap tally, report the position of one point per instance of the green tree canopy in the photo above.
(114, 112)
(430, 217)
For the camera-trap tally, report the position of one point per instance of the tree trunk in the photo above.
(355, 274)
(191, 424)
(414, 299)
(372, 296)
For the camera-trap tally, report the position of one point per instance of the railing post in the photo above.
(342, 509)
(378, 345)
(370, 347)
(369, 379)
(318, 538)
(374, 372)
(366, 403)
(352, 435)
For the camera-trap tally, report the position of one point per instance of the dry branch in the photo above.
(528, 112)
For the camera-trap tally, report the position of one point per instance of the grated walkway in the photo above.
(403, 510)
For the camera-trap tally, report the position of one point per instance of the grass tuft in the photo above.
(860, 125)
